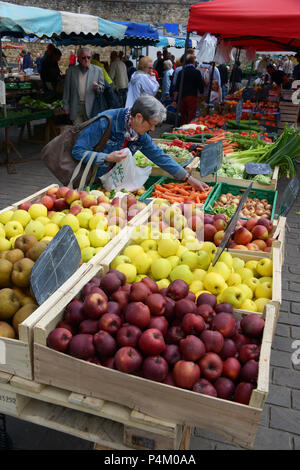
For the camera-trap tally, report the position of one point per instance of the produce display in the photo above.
(163, 312)
(180, 155)
(93, 217)
(253, 206)
(39, 104)
(180, 192)
(254, 234)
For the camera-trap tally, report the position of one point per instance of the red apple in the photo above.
(209, 232)
(231, 368)
(225, 388)
(75, 210)
(192, 323)
(249, 351)
(105, 344)
(220, 216)
(252, 246)
(152, 342)
(137, 314)
(260, 232)
(160, 323)
(260, 244)
(128, 335)
(169, 312)
(213, 340)
(155, 368)
(110, 283)
(128, 359)
(249, 371)
(240, 339)
(156, 304)
(243, 392)
(229, 349)
(252, 325)
(192, 348)
(72, 195)
(48, 202)
(269, 242)
(207, 298)
(59, 339)
(211, 366)
(224, 323)
(113, 307)
(110, 363)
(206, 311)
(61, 191)
(82, 346)
(224, 307)
(110, 322)
(184, 306)
(218, 237)
(250, 223)
(266, 222)
(220, 224)
(95, 305)
(191, 296)
(74, 312)
(120, 275)
(186, 373)
(89, 200)
(89, 327)
(68, 326)
(205, 387)
(174, 334)
(139, 292)
(195, 222)
(60, 205)
(51, 191)
(151, 284)
(25, 205)
(178, 289)
(169, 380)
(242, 236)
(208, 219)
(172, 354)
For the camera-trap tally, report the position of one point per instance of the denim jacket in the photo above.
(90, 136)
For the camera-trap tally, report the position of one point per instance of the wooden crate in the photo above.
(103, 422)
(236, 422)
(36, 196)
(16, 355)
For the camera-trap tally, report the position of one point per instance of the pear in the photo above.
(22, 314)
(6, 268)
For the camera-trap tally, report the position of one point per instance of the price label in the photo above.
(258, 168)
(211, 158)
(289, 196)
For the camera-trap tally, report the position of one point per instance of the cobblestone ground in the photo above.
(280, 423)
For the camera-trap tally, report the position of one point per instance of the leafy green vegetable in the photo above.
(229, 210)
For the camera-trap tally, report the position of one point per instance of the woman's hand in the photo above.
(116, 156)
(197, 185)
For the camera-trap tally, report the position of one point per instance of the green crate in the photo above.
(165, 180)
(223, 188)
(149, 184)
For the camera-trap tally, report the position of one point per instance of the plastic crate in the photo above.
(223, 188)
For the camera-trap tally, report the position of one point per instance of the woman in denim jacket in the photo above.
(130, 129)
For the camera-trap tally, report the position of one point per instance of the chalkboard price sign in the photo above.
(55, 265)
(289, 196)
(258, 168)
(211, 158)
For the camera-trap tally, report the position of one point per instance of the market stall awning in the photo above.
(169, 41)
(136, 34)
(265, 25)
(20, 21)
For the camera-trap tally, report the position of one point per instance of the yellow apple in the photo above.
(163, 283)
(247, 291)
(113, 230)
(149, 245)
(46, 239)
(190, 258)
(227, 259)
(251, 265)
(35, 228)
(83, 231)
(83, 240)
(198, 274)
(181, 250)
(245, 273)
(214, 283)
(51, 229)
(98, 237)
(234, 279)
(252, 282)
(204, 259)
(142, 262)
(167, 247)
(98, 221)
(84, 217)
(132, 251)
(210, 248)
(140, 233)
(37, 210)
(266, 279)
(71, 220)
(161, 268)
(87, 253)
(153, 254)
(139, 277)
(237, 263)
(191, 243)
(221, 268)
(170, 232)
(129, 270)
(2, 231)
(44, 220)
(13, 228)
(187, 233)
(56, 218)
(174, 260)
(5, 244)
(182, 271)
(22, 216)
(120, 259)
(263, 290)
(6, 216)
(233, 295)
(196, 286)
(264, 267)
(249, 305)
(261, 303)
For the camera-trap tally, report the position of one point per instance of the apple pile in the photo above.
(17, 300)
(165, 335)
(254, 234)
(94, 218)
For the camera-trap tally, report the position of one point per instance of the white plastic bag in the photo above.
(223, 52)
(206, 48)
(126, 175)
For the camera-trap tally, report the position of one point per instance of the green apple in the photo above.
(234, 279)
(98, 221)
(204, 259)
(140, 233)
(167, 247)
(181, 250)
(84, 217)
(13, 228)
(245, 273)
(120, 259)
(51, 229)
(83, 240)
(221, 268)
(37, 210)
(252, 282)
(98, 238)
(56, 217)
(249, 305)
(191, 243)
(261, 303)
(237, 263)
(264, 267)
(214, 283)
(6, 216)
(142, 262)
(179, 222)
(161, 268)
(210, 248)
(132, 251)
(163, 283)
(226, 258)
(170, 232)
(47, 239)
(35, 228)
(266, 279)
(182, 271)
(71, 220)
(83, 231)
(251, 265)
(113, 230)
(2, 231)
(190, 258)
(263, 290)
(198, 274)
(139, 277)
(5, 244)
(129, 270)
(149, 245)
(170, 213)
(174, 260)
(247, 291)
(187, 233)
(44, 220)
(233, 295)
(12, 241)
(22, 216)
(87, 253)
(196, 286)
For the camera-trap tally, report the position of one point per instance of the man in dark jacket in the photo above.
(224, 78)
(193, 87)
(27, 61)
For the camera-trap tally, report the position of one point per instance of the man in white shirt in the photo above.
(118, 74)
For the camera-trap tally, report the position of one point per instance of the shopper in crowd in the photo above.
(223, 71)
(72, 58)
(236, 77)
(20, 59)
(50, 71)
(166, 81)
(192, 87)
(208, 73)
(96, 61)
(278, 77)
(27, 61)
(38, 63)
(159, 65)
(216, 93)
(82, 82)
(118, 74)
(130, 127)
(143, 81)
(130, 69)
(287, 66)
(296, 71)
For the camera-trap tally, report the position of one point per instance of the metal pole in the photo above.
(181, 78)
(2, 75)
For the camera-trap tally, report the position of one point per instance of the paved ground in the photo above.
(280, 424)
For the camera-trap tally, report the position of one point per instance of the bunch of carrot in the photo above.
(228, 147)
(180, 192)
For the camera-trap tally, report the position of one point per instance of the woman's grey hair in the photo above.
(150, 108)
(168, 64)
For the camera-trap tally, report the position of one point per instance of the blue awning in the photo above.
(169, 41)
(20, 21)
